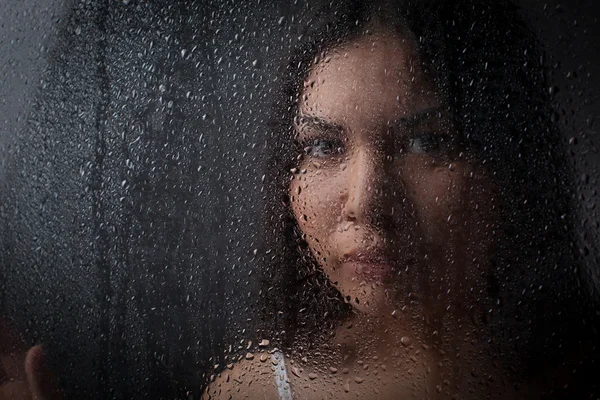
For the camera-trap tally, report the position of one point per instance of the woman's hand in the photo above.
(24, 374)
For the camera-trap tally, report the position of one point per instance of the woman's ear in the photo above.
(42, 381)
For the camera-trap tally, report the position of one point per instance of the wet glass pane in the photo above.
(299, 200)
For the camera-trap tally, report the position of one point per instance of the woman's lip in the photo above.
(372, 270)
(366, 257)
(372, 265)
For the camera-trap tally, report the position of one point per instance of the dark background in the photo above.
(132, 137)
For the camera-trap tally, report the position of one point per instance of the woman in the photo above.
(419, 205)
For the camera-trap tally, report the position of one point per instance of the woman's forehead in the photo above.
(376, 75)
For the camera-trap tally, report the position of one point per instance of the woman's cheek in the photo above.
(438, 195)
(315, 202)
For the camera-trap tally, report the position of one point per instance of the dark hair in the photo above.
(488, 67)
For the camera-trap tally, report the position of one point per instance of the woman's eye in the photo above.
(324, 148)
(430, 143)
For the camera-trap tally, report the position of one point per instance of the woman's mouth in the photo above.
(369, 265)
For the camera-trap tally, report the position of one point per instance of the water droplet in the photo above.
(406, 341)
(249, 356)
(358, 379)
(333, 370)
(312, 376)
(264, 343)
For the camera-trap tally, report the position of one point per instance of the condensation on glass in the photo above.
(313, 200)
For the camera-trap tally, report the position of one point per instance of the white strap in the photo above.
(282, 380)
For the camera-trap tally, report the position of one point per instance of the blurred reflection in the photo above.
(418, 230)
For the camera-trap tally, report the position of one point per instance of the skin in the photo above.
(401, 220)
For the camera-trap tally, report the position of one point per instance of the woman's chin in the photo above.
(370, 298)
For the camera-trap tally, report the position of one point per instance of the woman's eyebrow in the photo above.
(317, 123)
(418, 117)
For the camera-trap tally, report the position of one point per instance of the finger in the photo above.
(42, 381)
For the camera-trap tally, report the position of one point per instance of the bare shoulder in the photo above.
(246, 379)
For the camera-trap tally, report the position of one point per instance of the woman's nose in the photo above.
(367, 181)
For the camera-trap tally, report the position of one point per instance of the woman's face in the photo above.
(390, 204)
